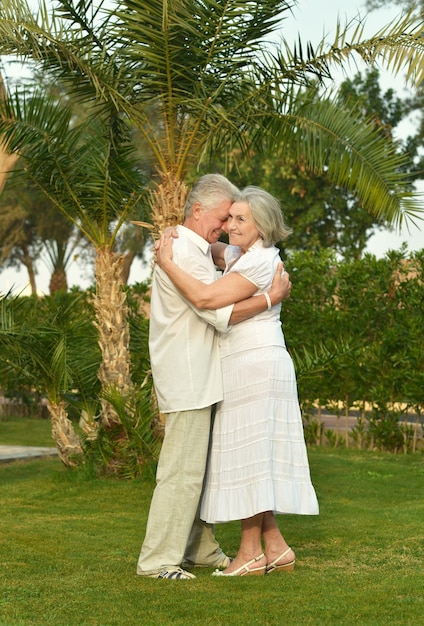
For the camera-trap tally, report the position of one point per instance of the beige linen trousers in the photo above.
(174, 530)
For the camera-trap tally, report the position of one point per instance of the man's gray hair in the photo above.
(210, 190)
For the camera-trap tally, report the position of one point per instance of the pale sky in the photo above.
(312, 19)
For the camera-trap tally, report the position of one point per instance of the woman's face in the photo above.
(241, 228)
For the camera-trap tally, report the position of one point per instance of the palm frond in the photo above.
(68, 42)
(126, 451)
(179, 44)
(329, 137)
(54, 349)
(90, 171)
(398, 47)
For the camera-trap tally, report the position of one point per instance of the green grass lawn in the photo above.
(69, 546)
(25, 431)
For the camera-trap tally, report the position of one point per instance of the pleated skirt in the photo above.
(258, 459)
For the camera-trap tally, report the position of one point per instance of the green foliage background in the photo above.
(354, 329)
(374, 305)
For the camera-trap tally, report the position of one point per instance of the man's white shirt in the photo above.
(183, 340)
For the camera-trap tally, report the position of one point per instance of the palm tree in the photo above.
(202, 68)
(49, 348)
(214, 85)
(29, 225)
(90, 174)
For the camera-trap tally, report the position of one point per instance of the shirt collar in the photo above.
(259, 243)
(195, 238)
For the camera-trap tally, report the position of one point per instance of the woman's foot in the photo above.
(241, 567)
(283, 562)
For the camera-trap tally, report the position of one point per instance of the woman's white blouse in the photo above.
(258, 265)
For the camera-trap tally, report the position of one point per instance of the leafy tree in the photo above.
(30, 225)
(323, 214)
(386, 111)
(405, 5)
(19, 242)
(414, 103)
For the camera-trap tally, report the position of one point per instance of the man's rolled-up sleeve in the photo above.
(219, 319)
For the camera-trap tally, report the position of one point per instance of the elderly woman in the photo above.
(258, 465)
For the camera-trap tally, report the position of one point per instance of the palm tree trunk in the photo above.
(7, 163)
(7, 160)
(67, 442)
(167, 203)
(58, 281)
(110, 303)
(27, 261)
(167, 209)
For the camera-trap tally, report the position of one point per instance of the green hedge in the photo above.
(375, 307)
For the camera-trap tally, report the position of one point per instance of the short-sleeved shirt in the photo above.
(183, 341)
(258, 265)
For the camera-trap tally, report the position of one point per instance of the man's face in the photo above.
(213, 222)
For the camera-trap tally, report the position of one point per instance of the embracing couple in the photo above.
(233, 447)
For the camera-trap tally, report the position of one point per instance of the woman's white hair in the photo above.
(267, 214)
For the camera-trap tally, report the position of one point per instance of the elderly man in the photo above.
(185, 360)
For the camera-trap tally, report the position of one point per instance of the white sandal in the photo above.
(275, 567)
(245, 570)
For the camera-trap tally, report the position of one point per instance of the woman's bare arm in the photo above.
(218, 250)
(227, 290)
(246, 308)
(279, 290)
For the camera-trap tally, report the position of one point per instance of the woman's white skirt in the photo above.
(258, 460)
